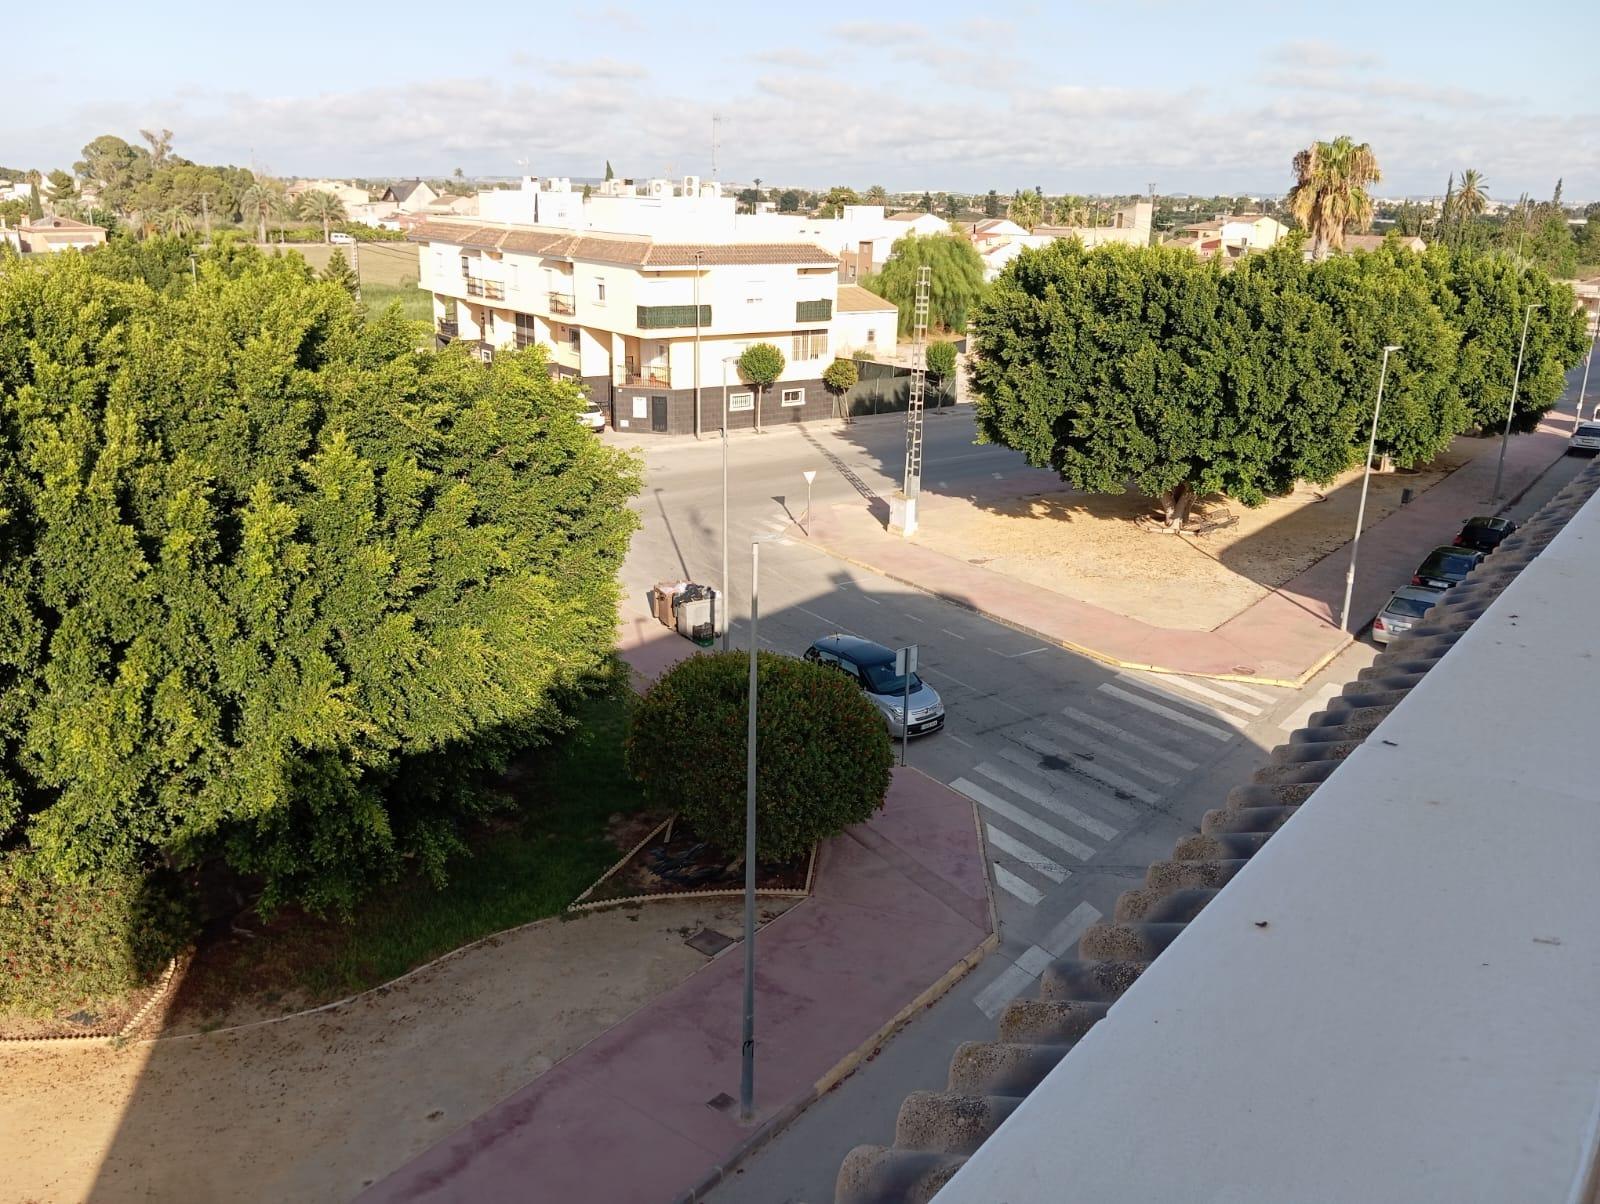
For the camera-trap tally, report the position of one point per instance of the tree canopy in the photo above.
(1147, 367)
(1330, 191)
(278, 587)
(955, 286)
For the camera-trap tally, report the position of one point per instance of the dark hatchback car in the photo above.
(1446, 567)
(1483, 533)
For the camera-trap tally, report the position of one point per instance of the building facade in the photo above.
(645, 324)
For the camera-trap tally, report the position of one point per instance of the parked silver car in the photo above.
(1403, 611)
(871, 666)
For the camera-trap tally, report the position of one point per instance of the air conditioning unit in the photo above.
(691, 185)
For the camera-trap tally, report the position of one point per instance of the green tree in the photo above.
(839, 378)
(1330, 191)
(760, 364)
(175, 222)
(279, 589)
(991, 204)
(823, 757)
(260, 203)
(1466, 204)
(610, 175)
(941, 362)
(927, 202)
(12, 213)
(956, 282)
(789, 201)
(62, 187)
(1026, 209)
(115, 168)
(324, 207)
(838, 197)
(339, 271)
(35, 209)
(877, 194)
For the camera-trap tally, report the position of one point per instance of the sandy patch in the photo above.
(1088, 547)
(313, 1108)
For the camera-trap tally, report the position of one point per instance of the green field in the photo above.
(388, 273)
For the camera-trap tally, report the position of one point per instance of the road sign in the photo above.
(905, 660)
(810, 475)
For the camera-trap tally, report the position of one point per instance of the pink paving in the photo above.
(899, 904)
(1284, 638)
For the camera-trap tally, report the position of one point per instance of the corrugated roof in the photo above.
(853, 299)
(634, 250)
(937, 1131)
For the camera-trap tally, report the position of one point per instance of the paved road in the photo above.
(1084, 775)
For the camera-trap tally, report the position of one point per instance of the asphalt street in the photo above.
(1083, 774)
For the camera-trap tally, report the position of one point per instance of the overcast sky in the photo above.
(1081, 96)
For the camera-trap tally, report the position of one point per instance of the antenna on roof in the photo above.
(715, 118)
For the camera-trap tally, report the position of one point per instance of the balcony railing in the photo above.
(449, 330)
(494, 290)
(635, 380)
(563, 303)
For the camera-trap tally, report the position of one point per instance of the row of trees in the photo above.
(1148, 367)
(278, 588)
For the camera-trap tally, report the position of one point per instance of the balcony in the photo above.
(651, 375)
(563, 303)
(493, 290)
(448, 329)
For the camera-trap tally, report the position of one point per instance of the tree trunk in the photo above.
(1175, 506)
(326, 235)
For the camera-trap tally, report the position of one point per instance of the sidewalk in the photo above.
(899, 911)
(1283, 639)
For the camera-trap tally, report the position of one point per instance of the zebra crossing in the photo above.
(1062, 787)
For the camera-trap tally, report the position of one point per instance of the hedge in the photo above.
(64, 946)
(823, 754)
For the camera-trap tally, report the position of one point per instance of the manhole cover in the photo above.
(722, 1101)
(710, 942)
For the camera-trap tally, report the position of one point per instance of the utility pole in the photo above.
(1366, 475)
(903, 508)
(355, 257)
(726, 590)
(747, 1044)
(1588, 359)
(1505, 435)
(205, 214)
(1152, 187)
(699, 262)
(714, 120)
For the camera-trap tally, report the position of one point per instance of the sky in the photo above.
(1082, 96)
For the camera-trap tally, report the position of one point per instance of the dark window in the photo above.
(813, 311)
(1411, 608)
(882, 679)
(660, 317)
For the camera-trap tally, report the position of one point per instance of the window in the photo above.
(572, 337)
(488, 323)
(600, 291)
(810, 344)
(872, 337)
(813, 311)
(527, 332)
(658, 317)
(741, 401)
(466, 261)
(794, 397)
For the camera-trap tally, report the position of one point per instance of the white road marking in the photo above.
(1244, 691)
(1064, 935)
(1317, 702)
(1067, 782)
(1035, 960)
(1032, 793)
(1156, 708)
(1111, 729)
(1162, 690)
(1015, 886)
(1190, 686)
(1026, 854)
(1008, 984)
(952, 634)
(1098, 772)
(951, 735)
(1101, 749)
(1024, 820)
(912, 617)
(1029, 652)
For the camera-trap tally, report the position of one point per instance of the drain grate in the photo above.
(709, 941)
(721, 1101)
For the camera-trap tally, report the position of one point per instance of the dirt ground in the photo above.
(315, 1107)
(1088, 547)
(381, 262)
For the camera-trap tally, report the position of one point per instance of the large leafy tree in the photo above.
(1330, 191)
(955, 283)
(277, 586)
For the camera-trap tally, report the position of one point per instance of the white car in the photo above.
(1586, 438)
(593, 417)
(341, 236)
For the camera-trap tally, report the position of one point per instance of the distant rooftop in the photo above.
(630, 249)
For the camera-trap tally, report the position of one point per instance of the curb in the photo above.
(1104, 658)
(847, 1065)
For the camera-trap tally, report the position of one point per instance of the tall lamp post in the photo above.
(1588, 359)
(1366, 476)
(1505, 435)
(699, 262)
(747, 1046)
(726, 594)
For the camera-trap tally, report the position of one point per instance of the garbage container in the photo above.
(694, 619)
(662, 600)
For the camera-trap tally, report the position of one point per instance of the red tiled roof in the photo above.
(634, 250)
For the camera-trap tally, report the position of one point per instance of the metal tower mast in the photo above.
(903, 509)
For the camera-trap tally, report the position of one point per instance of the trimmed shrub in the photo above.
(841, 376)
(941, 360)
(822, 752)
(65, 945)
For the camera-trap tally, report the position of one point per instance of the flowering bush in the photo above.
(822, 751)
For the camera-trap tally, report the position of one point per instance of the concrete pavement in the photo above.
(648, 1111)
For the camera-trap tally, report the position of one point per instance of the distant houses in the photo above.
(51, 234)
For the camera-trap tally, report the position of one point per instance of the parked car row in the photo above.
(1444, 568)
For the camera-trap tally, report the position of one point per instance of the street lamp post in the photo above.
(1366, 476)
(747, 1047)
(726, 594)
(1505, 435)
(699, 260)
(1587, 360)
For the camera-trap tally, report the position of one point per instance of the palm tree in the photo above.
(1470, 199)
(176, 221)
(1026, 209)
(877, 195)
(259, 203)
(324, 207)
(1330, 191)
